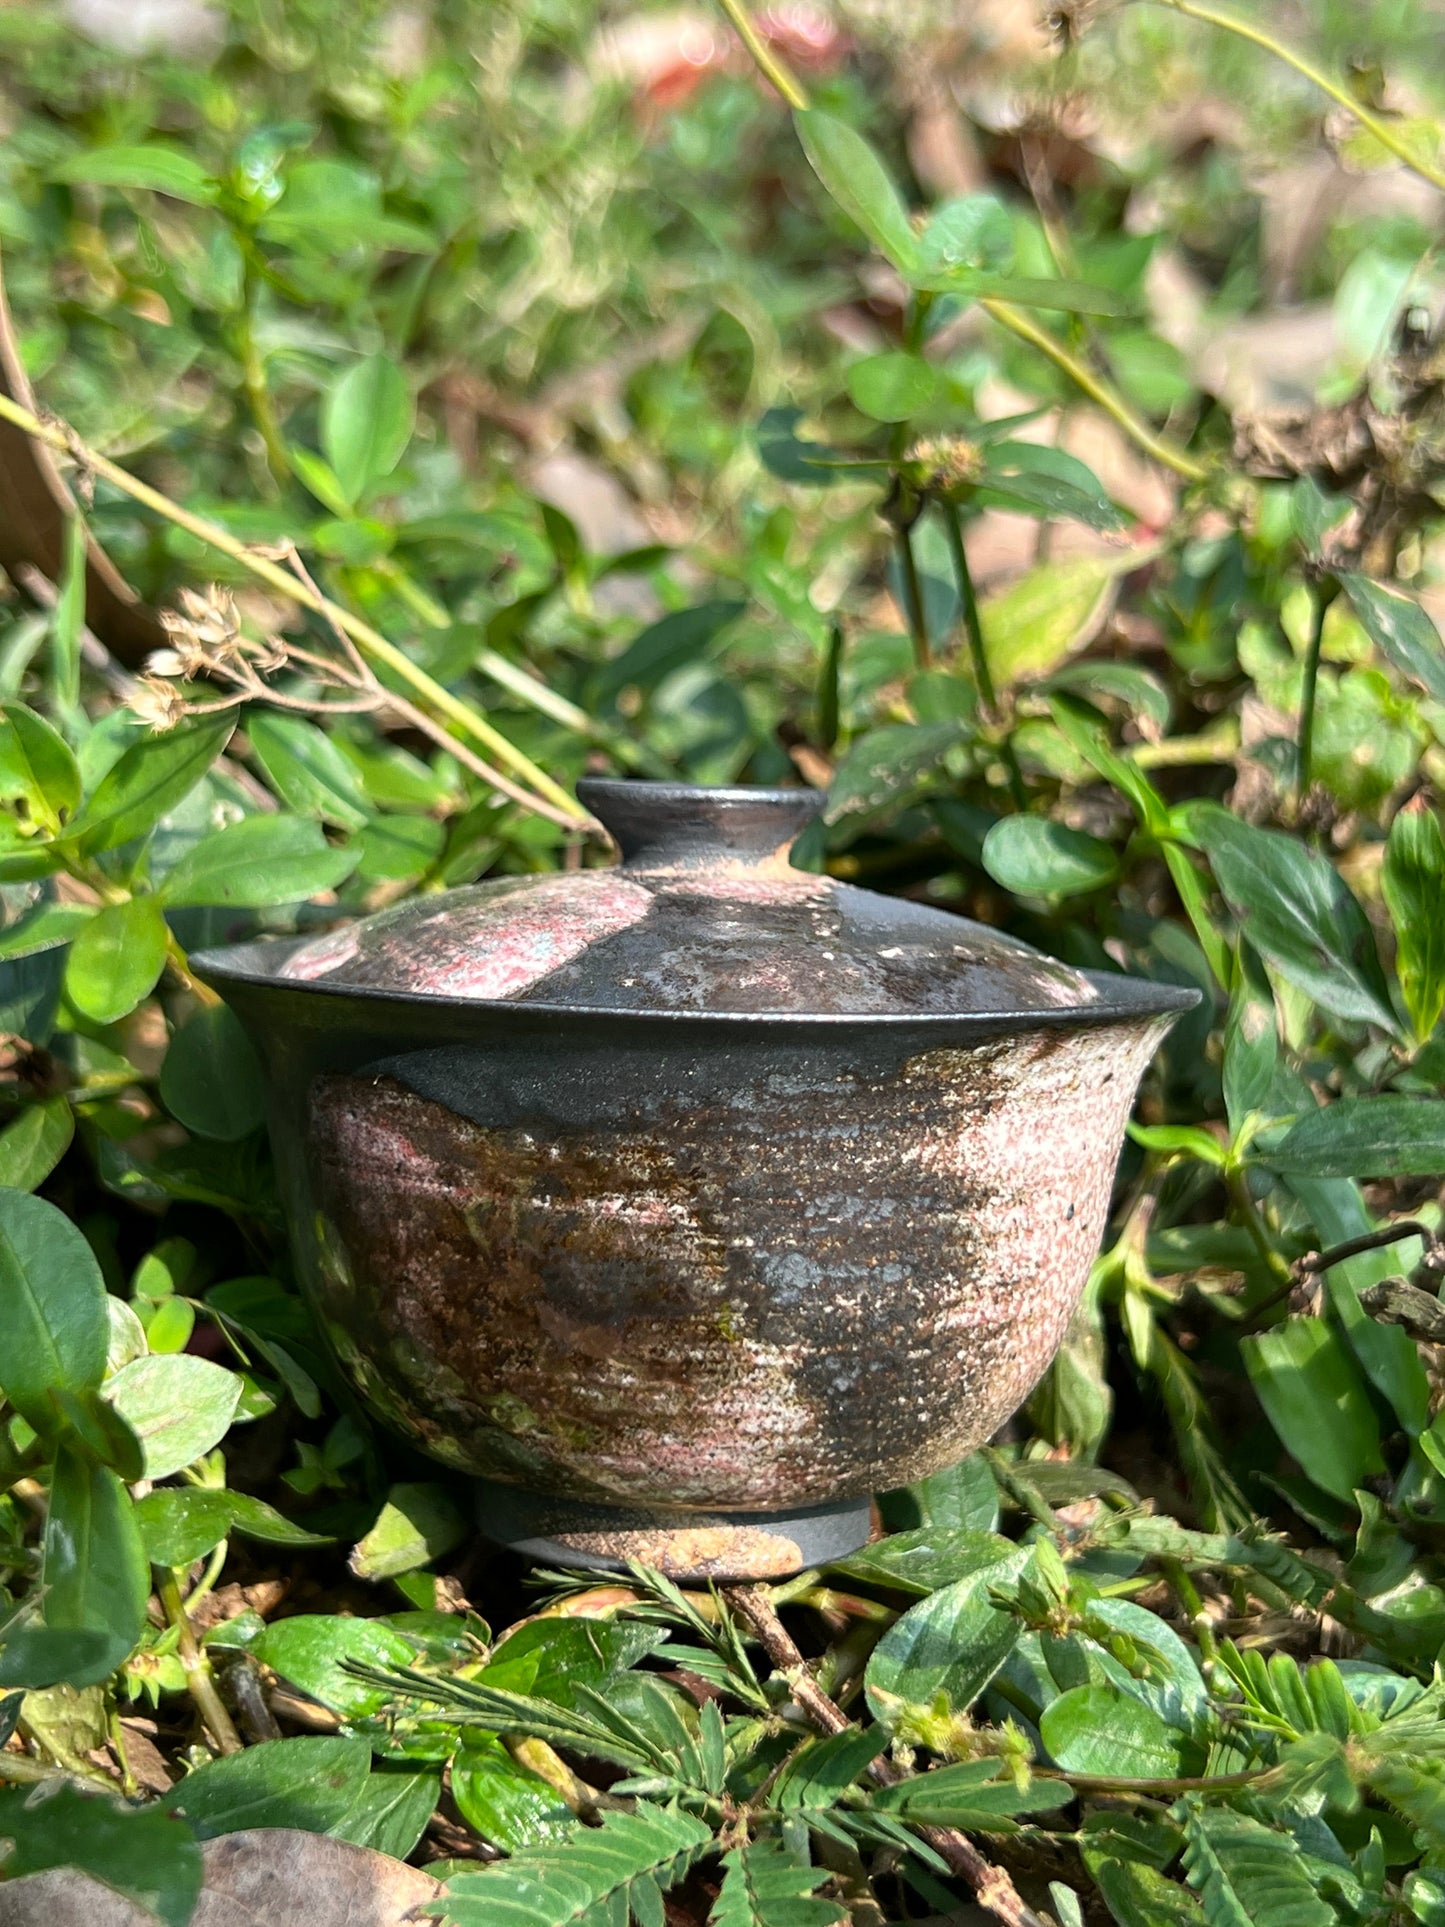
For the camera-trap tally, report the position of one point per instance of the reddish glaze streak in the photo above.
(808, 1289)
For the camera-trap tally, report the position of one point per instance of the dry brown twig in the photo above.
(207, 641)
(993, 1888)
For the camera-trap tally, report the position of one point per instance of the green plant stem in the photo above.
(1247, 1212)
(1004, 313)
(369, 641)
(913, 598)
(253, 376)
(130, 1786)
(978, 654)
(200, 1680)
(992, 1886)
(1160, 447)
(1324, 594)
(515, 680)
(20, 1770)
(1028, 1501)
(771, 68)
(1372, 123)
(1187, 1593)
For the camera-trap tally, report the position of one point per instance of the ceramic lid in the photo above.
(703, 913)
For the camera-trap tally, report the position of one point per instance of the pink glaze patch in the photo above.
(493, 948)
(325, 954)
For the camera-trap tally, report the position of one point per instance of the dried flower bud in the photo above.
(158, 702)
(945, 463)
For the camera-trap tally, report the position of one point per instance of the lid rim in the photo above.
(1145, 997)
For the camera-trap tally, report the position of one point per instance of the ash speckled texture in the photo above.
(800, 1283)
(704, 914)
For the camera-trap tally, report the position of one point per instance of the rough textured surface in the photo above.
(797, 1284)
(704, 914)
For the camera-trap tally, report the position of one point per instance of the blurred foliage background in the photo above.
(1070, 510)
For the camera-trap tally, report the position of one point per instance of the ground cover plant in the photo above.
(1030, 431)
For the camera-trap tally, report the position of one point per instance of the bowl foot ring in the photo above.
(691, 1544)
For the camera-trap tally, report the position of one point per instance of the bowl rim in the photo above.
(254, 966)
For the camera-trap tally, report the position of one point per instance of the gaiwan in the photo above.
(687, 1203)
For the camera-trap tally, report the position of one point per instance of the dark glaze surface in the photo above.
(797, 1283)
(703, 914)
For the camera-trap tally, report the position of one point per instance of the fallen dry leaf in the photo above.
(270, 1877)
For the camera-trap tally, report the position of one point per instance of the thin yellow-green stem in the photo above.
(196, 1665)
(1372, 123)
(1003, 312)
(369, 641)
(766, 62)
(1096, 388)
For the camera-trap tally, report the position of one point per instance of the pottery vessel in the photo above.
(687, 1203)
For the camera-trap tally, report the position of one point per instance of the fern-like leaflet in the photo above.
(765, 1887)
(1246, 1874)
(601, 1877)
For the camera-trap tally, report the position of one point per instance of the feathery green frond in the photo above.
(764, 1887)
(594, 1879)
(1247, 1875)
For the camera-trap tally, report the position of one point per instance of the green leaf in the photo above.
(506, 1804)
(152, 776)
(670, 643)
(588, 1878)
(1363, 1137)
(397, 848)
(892, 387)
(1298, 913)
(211, 1080)
(1401, 630)
(117, 959)
(417, 1524)
(1048, 482)
(1084, 733)
(763, 1886)
(924, 1560)
(1192, 1140)
(53, 1325)
(1028, 291)
(94, 1569)
(886, 766)
(39, 777)
(45, 927)
(161, 170)
(34, 1144)
(366, 423)
(1138, 1895)
(306, 768)
(181, 1523)
(1413, 880)
(177, 1405)
(260, 861)
(974, 1795)
(1036, 857)
(818, 1773)
(1316, 1400)
(393, 1808)
(307, 1783)
(962, 1496)
(311, 1650)
(1047, 614)
(554, 1658)
(949, 1646)
(972, 231)
(1100, 1729)
(140, 1852)
(857, 180)
(1246, 1874)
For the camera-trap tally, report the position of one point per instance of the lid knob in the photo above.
(680, 826)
